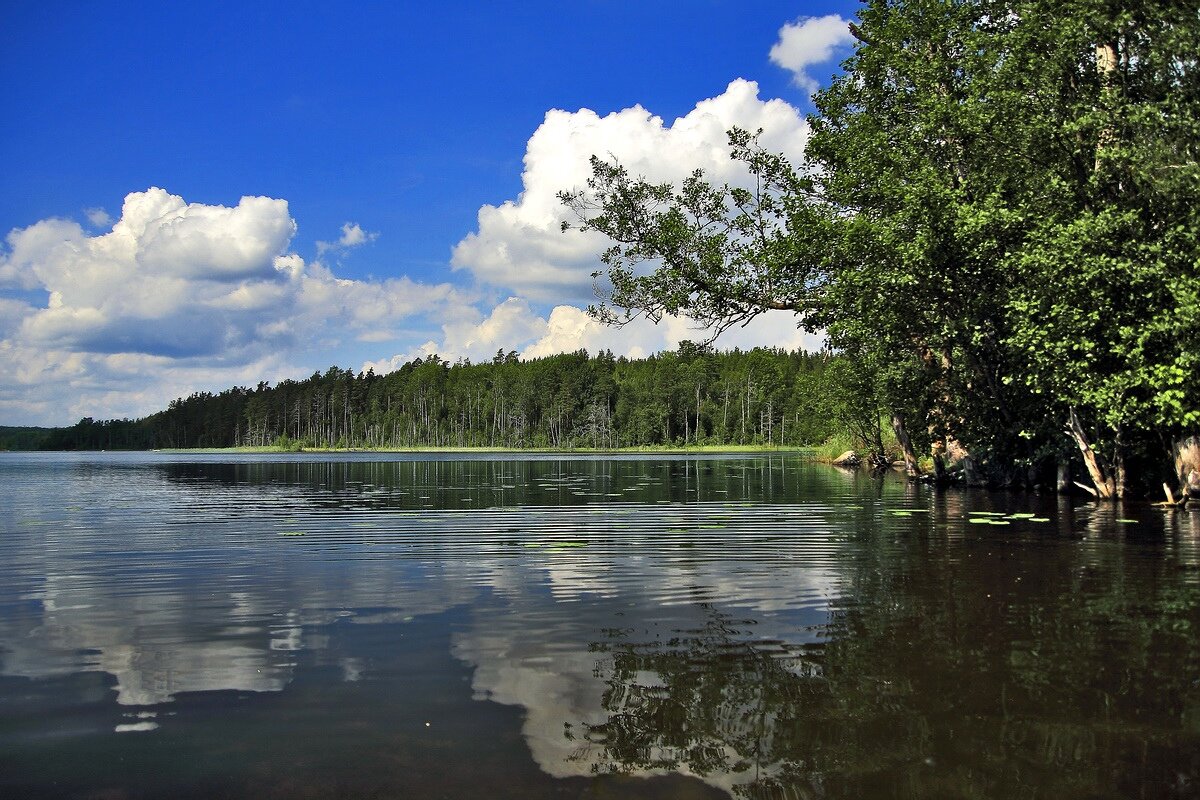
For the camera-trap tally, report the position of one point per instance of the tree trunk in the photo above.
(910, 458)
(939, 470)
(971, 474)
(1104, 485)
(1118, 478)
(1106, 66)
(1064, 481)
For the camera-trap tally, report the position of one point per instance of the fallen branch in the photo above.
(1171, 502)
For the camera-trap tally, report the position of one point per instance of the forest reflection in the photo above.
(1060, 677)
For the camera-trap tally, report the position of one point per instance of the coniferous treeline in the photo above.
(691, 396)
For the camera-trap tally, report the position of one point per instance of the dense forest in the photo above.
(690, 396)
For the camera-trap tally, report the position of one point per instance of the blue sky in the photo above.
(381, 135)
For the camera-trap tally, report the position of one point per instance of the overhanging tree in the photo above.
(996, 208)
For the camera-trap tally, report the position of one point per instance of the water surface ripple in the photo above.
(562, 626)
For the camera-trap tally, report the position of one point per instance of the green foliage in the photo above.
(691, 397)
(282, 442)
(13, 438)
(996, 221)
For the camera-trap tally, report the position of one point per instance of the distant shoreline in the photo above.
(665, 450)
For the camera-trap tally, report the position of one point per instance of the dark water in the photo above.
(314, 626)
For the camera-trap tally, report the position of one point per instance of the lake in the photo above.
(363, 625)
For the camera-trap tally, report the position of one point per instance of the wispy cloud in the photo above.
(353, 235)
(98, 217)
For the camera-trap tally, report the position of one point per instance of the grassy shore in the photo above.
(649, 449)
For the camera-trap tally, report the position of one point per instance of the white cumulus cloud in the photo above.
(569, 329)
(472, 335)
(807, 42)
(178, 297)
(519, 244)
(514, 325)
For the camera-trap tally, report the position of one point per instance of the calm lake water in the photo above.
(317, 626)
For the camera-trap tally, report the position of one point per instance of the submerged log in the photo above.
(1171, 501)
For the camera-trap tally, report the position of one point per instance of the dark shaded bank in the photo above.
(18, 438)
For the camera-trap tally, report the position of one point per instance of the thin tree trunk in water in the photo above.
(879, 460)
(1118, 476)
(910, 458)
(939, 469)
(1064, 481)
(1104, 486)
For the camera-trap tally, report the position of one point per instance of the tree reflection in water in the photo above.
(946, 686)
(708, 701)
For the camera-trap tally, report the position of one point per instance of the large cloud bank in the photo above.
(174, 297)
(519, 244)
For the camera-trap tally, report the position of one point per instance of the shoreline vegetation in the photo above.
(694, 400)
(993, 221)
(646, 449)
